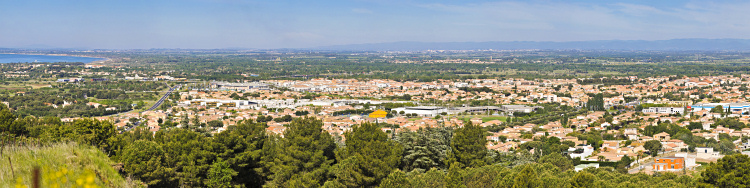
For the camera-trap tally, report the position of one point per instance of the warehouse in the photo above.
(426, 111)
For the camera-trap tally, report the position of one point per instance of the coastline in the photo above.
(104, 59)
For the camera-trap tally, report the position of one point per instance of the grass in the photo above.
(61, 165)
(485, 118)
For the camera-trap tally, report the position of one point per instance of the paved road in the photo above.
(164, 97)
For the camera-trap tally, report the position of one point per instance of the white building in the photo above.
(242, 104)
(689, 159)
(429, 111)
(665, 110)
(706, 153)
(587, 151)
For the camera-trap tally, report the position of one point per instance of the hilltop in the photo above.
(62, 164)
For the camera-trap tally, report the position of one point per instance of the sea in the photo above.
(23, 58)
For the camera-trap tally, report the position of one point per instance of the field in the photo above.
(485, 118)
(18, 85)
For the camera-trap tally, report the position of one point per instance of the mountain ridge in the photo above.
(671, 44)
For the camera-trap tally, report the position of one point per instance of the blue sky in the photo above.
(296, 24)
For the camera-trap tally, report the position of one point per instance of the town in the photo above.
(712, 109)
(474, 115)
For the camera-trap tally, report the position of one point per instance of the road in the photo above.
(164, 98)
(645, 166)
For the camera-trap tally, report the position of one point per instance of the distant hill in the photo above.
(673, 45)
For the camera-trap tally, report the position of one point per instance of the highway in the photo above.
(164, 97)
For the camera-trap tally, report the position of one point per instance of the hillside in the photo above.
(61, 164)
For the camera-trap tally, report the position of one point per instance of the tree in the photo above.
(558, 160)
(145, 160)
(718, 109)
(455, 178)
(623, 164)
(526, 178)
(303, 157)
(583, 179)
(396, 179)
(369, 156)
(596, 103)
(425, 149)
(653, 146)
(468, 146)
(92, 131)
(729, 171)
(242, 147)
(6, 123)
(220, 175)
(215, 123)
(695, 125)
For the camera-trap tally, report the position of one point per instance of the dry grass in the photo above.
(60, 165)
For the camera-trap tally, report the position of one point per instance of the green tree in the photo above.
(92, 131)
(145, 160)
(242, 147)
(729, 171)
(455, 178)
(215, 123)
(583, 180)
(468, 146)
(369, 156)
(425, 149)
(303, 157)
(396, 179)
(653, 146)
(718, 109)
(6, 123)
(220, 175)
(558, 160)
(526, 178)
(695, 125)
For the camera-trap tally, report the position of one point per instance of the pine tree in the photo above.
(303, 156)
(242, 146)
(425, 149)
(468, 146)
(369, 156)
(220, 175)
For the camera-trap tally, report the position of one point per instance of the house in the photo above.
(706, 153)
(581, 151)
(669, 163)
(631, 133)
(662, 136)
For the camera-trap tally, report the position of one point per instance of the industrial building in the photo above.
(427, 111)
(239, 86)
(243, 104)
(664, 110)
(519, 108)
(735, 107)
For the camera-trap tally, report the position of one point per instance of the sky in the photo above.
(267, 24)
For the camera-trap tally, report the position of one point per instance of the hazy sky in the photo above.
(305, 23)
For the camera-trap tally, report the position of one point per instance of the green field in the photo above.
(484, 118)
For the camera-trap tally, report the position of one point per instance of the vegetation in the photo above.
(62, 164)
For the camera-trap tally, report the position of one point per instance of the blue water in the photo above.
(22, 58)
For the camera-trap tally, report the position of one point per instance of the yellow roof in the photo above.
(378, 114)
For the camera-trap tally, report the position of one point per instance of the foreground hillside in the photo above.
(60, 165)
